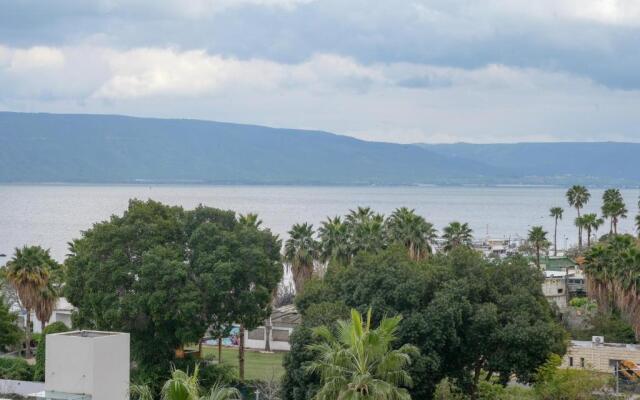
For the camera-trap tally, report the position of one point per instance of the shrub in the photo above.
(56, 327)
(16, 369)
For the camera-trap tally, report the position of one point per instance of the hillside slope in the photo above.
(105, 148)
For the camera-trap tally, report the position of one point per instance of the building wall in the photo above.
(555, 290)
(599, 357)
(279, 338)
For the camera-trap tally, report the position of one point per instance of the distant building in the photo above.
(61, 313)
(599, 356)
(563, 280)
(283, 321)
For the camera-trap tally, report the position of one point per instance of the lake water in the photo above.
(52, 215)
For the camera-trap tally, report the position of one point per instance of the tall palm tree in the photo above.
(28, 272)
(538, 239)
(301, 251)
(412, 231)
(578, 196)
(615, 210)
(360, 362)
(334, 241)
(457, 234)
(556, 214)
(592, 223)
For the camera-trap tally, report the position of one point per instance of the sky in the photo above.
(403, 71)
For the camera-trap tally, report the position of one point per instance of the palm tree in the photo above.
(404, 226)
(182, 386)
(301, 251)
(250, 219)
(613, 207)
(46, 303)
(578, 196)
(457, 234)
(334, 241)
(556, 214)
(591, 222)
(360, 363)
(538, 238)
(28, 272)
(366, 231)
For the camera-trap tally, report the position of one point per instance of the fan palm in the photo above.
(28, 272)
(250, 219)
(360, 363)
(556, 214)
(404, 226)
(538, 239)
(301, 251)
(578, 196)
(219, 392)
(182, 386)
(457, 234)
(334, 241)
(592, 223)
(366, 231)
(46, 303)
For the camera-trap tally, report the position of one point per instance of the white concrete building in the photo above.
(598, 355)
(283, 320)
(88, 363)
(61, 312)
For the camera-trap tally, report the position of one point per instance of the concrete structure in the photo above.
(599, 356)
(555, 288)
(88, 363)
(283, 320)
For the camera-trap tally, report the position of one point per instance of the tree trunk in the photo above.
(42, 326)
(538, 256)
(555, 239)
(476, 377)
(579, 231)
(588, 236)
(241, 354)
(267, 333)
(220, 349)
(27, 335)
(615, 226)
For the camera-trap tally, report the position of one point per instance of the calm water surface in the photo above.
(53, 215)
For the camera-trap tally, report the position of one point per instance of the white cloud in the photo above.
(402, 102)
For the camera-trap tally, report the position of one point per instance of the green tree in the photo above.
(301, 252)
(556, 214)
(366, 231)
(538, 239)
(360, 362)
(592, 223)
(334, 241)
(578, 196)
(47, 301)
(457, 234)
(165, 275)
(404, 226)
(613, 207)
(9, 332)
(28, 271)
(555, 383)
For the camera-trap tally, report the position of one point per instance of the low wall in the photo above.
(23, 388)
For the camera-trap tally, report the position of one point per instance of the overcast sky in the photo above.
(391, 70)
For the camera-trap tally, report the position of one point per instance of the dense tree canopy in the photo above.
(165, 274)
(464, 313)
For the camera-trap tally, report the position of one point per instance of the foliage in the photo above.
(457, 234)
(555, 213)
(10, 334)
(556, 383)
(578, 196)
(15, 368)
(538, 239)
(612, 268)
(579, 302)
(300, 251)
(359, 362)
(412, 231)
(459, 309)
(613, 207)
(164, 275)
(41, 351)
(607, 324)
(28, 272)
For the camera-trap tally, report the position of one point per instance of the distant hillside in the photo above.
(117, 149)
(597, 163)
(100, 148)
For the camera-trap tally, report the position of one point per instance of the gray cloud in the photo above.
(442, 70)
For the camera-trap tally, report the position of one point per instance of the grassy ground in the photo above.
(256, 365)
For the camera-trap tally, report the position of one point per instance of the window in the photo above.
(581, 362)
(560, 291)
(280, 335)
(571, 361)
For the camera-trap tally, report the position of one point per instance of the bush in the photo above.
(56, 327)
(15, 368)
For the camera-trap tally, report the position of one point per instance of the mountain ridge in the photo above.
(103, 148)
